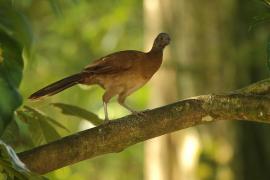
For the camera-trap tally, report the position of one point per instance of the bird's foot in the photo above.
(139, 113)
(106, 121)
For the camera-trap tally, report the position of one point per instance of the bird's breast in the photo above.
(124, 81)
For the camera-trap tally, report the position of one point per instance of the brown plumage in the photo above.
(120, 73)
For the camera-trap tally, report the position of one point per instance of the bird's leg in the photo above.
(121, 101)
(106, 98)
(106, 120)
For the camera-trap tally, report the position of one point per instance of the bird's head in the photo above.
(161, 41)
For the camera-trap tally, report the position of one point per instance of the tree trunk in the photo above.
(199, 61)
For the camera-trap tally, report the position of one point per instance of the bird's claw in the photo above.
(139, 113)
(106, 121)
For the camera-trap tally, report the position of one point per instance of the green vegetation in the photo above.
(44, 41)
(41, 41)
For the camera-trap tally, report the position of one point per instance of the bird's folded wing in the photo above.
(111, 64)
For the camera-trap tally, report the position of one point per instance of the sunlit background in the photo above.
(216, 47)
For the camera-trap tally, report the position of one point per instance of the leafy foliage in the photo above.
(78, 112)
(15, 33)
(11, 167)
(84, 31)
(10, 76)
(40, 126)
(15, 25)
(11, 134)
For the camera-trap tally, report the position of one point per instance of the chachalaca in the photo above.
(120, 73)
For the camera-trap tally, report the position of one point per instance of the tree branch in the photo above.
(250, 103)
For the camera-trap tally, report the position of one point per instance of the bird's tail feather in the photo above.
(57, 87)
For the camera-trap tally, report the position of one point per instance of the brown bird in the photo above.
(120, 73)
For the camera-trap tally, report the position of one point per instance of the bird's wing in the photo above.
(114, 63)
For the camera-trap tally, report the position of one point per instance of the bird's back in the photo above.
(124, 69)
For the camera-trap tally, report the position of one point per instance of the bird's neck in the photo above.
(155, 48)
(154, 61)
(156, 52)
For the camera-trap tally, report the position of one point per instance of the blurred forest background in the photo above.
(217, 46)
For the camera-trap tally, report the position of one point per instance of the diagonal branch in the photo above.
(250, 103)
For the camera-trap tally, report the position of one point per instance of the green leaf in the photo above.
(49, 132)
(34, 128)
(15, 33)
(40, 125)
(12, 133)
(15, 25)
(40, 115)
(11, 166)
(79, 112)
(11, 67)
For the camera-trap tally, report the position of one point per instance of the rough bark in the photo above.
(251, 103)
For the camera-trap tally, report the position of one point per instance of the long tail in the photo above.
(57, 87)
